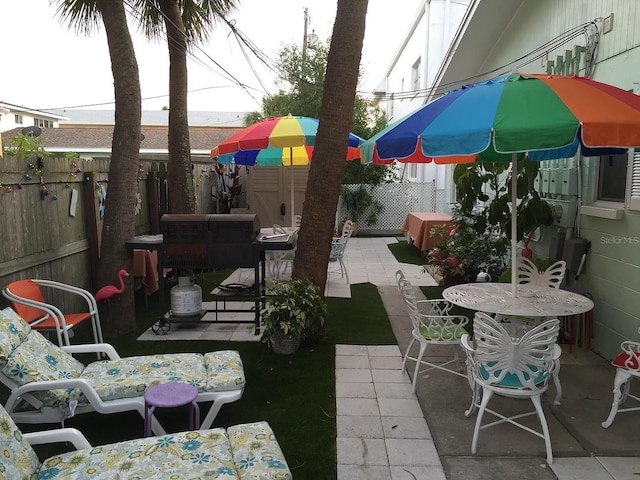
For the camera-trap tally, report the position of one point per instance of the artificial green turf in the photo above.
(294, 393)
(407, 253)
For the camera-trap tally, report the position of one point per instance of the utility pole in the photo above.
(304, 43)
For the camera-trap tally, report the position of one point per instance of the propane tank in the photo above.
(186, 298)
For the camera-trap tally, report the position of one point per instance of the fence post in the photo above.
(91, 221)
(153, 199)
(164, 193)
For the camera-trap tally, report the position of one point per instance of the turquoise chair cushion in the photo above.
(510, 380)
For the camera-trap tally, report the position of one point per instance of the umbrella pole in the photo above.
(514, 223)
(293, 212)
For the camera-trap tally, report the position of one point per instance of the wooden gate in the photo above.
(270, 193)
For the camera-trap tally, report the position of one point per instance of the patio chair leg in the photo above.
(423, 347)
(545, 428)
(621, 378)
(556, 381)
(406, 353)
(486, 396)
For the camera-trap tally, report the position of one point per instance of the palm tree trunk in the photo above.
(119, 215)
(327, 168)
(181, 188)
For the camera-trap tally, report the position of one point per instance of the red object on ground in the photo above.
(106, 292)
(452, 262)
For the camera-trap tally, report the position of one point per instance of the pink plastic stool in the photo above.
(170, 395)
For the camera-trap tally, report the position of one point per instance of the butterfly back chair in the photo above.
(627, 365)
(516, 368)
(28, 300)
(432, 324)
(552, 277)
(47, 384)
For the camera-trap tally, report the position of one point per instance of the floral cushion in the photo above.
(13, 331)
(17, 458)
(225, 371)
(179, 456)
(37, 359)
(132, 376)
(256, 452)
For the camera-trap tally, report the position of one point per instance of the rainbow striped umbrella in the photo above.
(543, 116)
(277, 141)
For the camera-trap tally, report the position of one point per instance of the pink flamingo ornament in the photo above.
(109, 291)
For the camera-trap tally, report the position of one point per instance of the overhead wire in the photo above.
(271, 64)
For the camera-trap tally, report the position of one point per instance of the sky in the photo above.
(45, 65)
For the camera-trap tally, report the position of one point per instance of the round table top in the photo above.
(530, 301)
(171, 394)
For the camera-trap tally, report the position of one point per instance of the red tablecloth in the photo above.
(417, 227)
(145, 265)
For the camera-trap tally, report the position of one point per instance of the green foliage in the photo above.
(489, 182)
(295, 307)
(463, 252)
(25, 147)
(360, 204)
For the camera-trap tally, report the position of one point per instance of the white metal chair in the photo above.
(28, 300)
(515, 368)
(551, 277)
(280, 260)
(627, 365)
(338, 247)
(432, 325)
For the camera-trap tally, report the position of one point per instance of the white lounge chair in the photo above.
(241, 452)
(48, 384)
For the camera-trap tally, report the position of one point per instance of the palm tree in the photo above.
(185, 22)
(327, 168)
(119, 216)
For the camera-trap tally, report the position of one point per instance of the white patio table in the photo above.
(531, 300)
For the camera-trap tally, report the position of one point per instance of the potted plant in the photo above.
(294, 310)
(361, 205)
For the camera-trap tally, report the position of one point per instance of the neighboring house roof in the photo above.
(151, 118)
(31, 111)
(97, 140)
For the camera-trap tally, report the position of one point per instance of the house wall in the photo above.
(29, 117)
(436, 23)
(613, 262)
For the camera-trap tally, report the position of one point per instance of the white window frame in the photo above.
(633, 187)
(18, 119)
(415, 75)
(599, 180)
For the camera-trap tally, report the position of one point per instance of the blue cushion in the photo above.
(510, 380)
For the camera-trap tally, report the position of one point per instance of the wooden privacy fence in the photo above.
(51, 218)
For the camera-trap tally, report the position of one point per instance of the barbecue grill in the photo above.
(210, 241)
